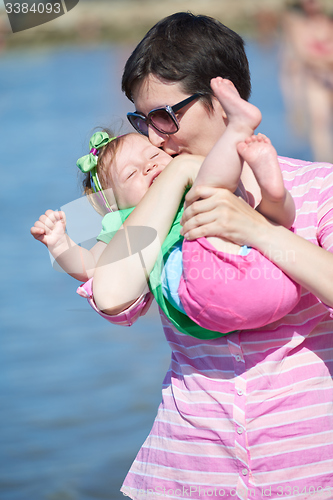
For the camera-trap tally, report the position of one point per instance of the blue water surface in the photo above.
(78, 395)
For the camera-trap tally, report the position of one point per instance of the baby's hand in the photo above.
(50, 229)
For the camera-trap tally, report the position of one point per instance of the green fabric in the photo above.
(88, 162)
(111, 223)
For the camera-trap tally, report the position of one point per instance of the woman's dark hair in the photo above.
(191, 50)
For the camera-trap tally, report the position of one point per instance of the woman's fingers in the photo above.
(204, 200)
(198, 220)
(200, 193)
(200, 200)
(205, 230)
(221, 214)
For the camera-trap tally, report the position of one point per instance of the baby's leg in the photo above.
(259, 153)
(276, 204)
(222, 167)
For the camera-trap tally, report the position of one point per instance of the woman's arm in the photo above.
(123, 270)
(78, 262)
(217, 212)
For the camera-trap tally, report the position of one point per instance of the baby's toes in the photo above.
(250, 140)
(242, 147)
(264, 138)
(216, 83)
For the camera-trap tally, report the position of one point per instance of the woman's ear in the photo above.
(217, 107)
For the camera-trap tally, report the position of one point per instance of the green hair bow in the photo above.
(88, 162)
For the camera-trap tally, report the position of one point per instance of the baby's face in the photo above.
(136, 166)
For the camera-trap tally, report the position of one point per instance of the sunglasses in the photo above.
(161, 119)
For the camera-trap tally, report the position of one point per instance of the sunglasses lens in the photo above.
(138, 123)
(162, 121)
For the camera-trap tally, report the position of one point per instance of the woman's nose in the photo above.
(156, 138)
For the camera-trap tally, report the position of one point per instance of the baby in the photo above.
(131, 167)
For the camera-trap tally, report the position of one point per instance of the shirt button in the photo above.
(240, 392)
(238, 358)
(240, 430)
(244, 472)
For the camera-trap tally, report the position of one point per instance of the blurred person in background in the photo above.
(307, 73)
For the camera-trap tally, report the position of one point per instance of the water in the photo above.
(78, 395)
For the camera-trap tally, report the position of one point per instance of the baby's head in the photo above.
(121, 169)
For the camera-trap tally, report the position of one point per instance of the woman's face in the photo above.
(199, 128)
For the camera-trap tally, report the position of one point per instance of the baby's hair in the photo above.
(110, 151)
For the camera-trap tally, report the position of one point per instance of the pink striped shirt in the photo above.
(249, 415)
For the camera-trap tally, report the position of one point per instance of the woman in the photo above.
(307, 73)
(246, 416)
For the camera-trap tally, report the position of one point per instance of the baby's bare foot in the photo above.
(241, 114)
(261, 156)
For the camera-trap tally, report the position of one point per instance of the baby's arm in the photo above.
(276, 203)
(122, 271)
(78, 262)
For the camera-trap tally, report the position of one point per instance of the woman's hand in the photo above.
(217, 212)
